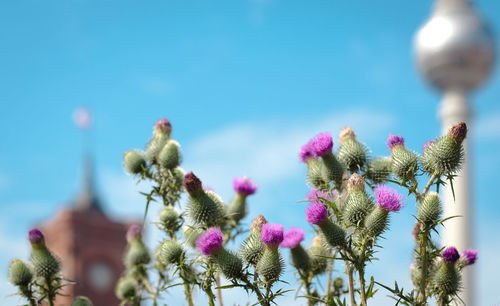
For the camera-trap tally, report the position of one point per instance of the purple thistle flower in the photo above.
(427, 144)
(314, 194)
(470, 256)
(163, 126)
(192, 183)
(394, 140)
(244, 185)
(210, 241)
(388, 198)
(322, 144)
(315, 213)
(134, 232)
(458, 132)
(450, 255)
(272, 234)
(35, 236)
(306, 151)
(293, 237)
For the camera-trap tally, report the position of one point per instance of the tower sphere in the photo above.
(454, 49)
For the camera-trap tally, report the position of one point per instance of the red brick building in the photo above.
(89, 245)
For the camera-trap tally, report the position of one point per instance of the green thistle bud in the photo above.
(332, 169)
(338, 283)
(191, 234)
(133, 162)
(357, 205)
(155, 145)
(204, 207)
(169, 218)
(317, 254)
(352, 154)
(447, 279)
(445, 156)
(126, 288)
(179, 176)
(300, 258)
(170, 155)
(20, 273)
(404, 163)
(136, 254)
(379, 169)
(315, 173)
(430, 209)
(270, 265)
(44, 263)
(82, 301)
(252, 248)
(229, 263)
(236, 210)
(333, 234)
(170, 252)
(376, 221)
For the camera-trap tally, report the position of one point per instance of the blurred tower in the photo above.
(455, 53)
(89, 244)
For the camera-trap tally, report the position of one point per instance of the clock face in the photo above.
(100, 276)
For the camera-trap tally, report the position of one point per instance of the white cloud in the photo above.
(267, 151)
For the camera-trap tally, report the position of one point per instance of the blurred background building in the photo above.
(89, 244)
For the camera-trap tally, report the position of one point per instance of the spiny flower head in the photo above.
(35, 237)
(470, 256)
(450, 255)
(306, 151)
(162, 126)
(315, 213)
(210, 241)
(427, 144)
(134, 232)
(458, 132)
(192, 183)
(322, 144)
(257, 223)
(272, 234)
(315, 194)
(244, 185)
(388, 198)
(293, 237)
(394, 140)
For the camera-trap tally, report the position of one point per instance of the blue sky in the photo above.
(244, 83)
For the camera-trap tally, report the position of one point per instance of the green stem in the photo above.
(211, 297)
(362, 285)
(255, 288)
(50, 291)
(187, 288)
(307, 285)
(423, 276)
(361, 274)
(350, 283)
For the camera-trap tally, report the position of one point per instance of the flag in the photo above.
(82, 118)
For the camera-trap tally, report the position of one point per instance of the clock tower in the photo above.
(89, 245)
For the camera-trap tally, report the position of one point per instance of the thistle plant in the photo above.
(39, 280)
(353, 197)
